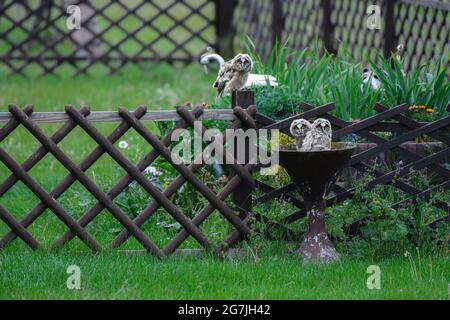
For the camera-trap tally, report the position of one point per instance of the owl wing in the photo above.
(225, 75)
(321, 142)
(308, 141)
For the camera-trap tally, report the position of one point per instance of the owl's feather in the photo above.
(233, 75)
(299, 129)
(319, 137)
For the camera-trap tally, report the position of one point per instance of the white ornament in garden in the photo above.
(369, 76)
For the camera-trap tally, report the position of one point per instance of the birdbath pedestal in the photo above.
(314, 172)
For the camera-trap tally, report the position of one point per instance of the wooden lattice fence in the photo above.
(241, 185)
(34, 38)
(72, 118)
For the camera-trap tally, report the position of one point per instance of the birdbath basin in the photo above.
(314, 172)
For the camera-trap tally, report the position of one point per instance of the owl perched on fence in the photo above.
(319, 137)
(233, 74)
(299, 130)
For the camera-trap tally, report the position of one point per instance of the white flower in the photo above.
(123, 144)
(152, 171)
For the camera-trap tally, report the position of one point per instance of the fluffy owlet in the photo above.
(233, 74)
(319, 137)
(299, 129)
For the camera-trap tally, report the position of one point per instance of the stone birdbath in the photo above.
(314, 172)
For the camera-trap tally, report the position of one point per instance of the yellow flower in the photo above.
(284, 139)
(412, 108)
(273, 170)
(422, 107)
(429, 110)
(205, 105)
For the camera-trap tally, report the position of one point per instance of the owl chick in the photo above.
(319, 137)
(299, 129)
(233, 74)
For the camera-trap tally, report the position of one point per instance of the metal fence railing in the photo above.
(35, 38)
(422, 26)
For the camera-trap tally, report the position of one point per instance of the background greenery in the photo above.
(306, 76)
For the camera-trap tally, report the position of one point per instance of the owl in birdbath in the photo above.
(299, 129)
(319, 137)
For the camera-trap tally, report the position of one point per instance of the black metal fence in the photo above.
(35, 39)
(371, 158)
(422, 26)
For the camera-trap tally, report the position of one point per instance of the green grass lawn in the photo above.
(275, 274)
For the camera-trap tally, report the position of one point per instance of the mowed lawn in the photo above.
(40, 275)
(273, 273)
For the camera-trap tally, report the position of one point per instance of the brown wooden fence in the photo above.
(72, 118)
(241, 184)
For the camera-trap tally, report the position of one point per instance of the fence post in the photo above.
(224, 26)
(390, 36)
(242, 195)
(277, 22)
(328, 27)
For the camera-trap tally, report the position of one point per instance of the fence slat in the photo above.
(112, 116)
(143, 181)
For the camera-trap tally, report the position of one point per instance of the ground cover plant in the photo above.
(413, 260)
